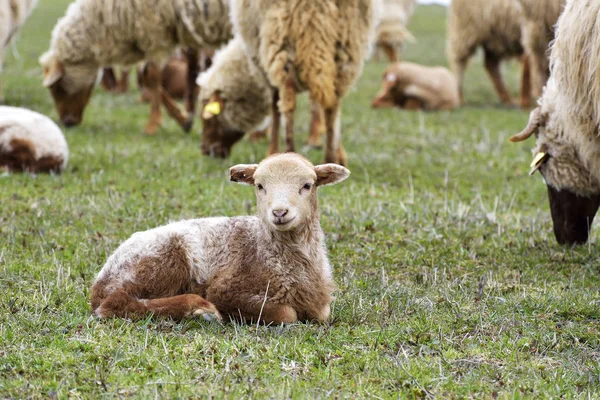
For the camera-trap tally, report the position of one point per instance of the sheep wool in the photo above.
(30, 142)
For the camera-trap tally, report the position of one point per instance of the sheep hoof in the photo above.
(207, 315)
(187, 125)
(151, 129)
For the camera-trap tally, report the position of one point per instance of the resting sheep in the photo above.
(537, 27)
(272, 267)
(99, 33)
(416, 87)
(567, 123)
(236, 99)
(13, 14)
(495, 26)
(392, 30)
(30, 142)
(319, 46)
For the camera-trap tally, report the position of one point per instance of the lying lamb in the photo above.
(98, 33)
(416, 87)
(13, 14)
(318, 46)
(494, 25)
(567, 123)
(30, 142)
(272, 267)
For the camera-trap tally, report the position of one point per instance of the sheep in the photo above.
(413, 86)
(30, 142)
(236, 99)
(495, 26)
(272, 267)
(98, 33)
(537, 27)
(566, 123)
(391, 31)
(13, 14)
(308, 45)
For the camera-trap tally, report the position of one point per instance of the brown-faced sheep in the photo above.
(537, 27)
(416, 87)
(236, 99)
(494, 25)
(271, 268)
(567, 123)
(13, 14)
(319, 46)
(98, 33)
(30, 142)
(392, 30)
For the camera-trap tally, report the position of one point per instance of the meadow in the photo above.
(450, 281)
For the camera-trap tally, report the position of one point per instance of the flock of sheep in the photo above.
(273, 267)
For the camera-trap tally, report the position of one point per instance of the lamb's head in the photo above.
(70, 86)
(573, 192)
(391, 92)
(286, 188)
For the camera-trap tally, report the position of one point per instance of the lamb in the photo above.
(272, 267)
(307, 45)
(537, 29)
(236, 99)
(412, 86)
(13, 14)
(566, 123)
(391, 31)
(495, 26)
(98, 33)
(30, 142)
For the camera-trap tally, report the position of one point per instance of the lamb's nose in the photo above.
(280, 213)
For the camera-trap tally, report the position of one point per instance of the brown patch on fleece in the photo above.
(22, 158)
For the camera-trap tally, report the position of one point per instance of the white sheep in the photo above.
(537, 28)
(494, 25)
(30, 142)
(272, 267)
(319, 46)
(392, 31)
(567, 123)
(100, 33)
(13, 14)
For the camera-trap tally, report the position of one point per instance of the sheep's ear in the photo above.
(53, 69)
(532, 126)
(243, 173)
(330, 174)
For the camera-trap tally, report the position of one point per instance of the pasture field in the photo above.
(450, 282)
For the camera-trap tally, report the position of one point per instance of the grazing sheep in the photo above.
(319, 46)
(30, 142)
(13, 14)
(272, 267)
(495, 26)
(98, 33)
(391, 31)
(537, 27)
(567, 123)
(412, 86)
(236, 99)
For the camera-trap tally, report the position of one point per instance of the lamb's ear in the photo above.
(243, 173)
(330, 174)
(53, 69)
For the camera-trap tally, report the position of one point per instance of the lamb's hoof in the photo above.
(208, 315)
(187, 125)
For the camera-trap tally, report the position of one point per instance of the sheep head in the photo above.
(217, 137)
(70, 86)
(286, 188)
(573, 193)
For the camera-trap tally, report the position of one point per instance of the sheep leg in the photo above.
(151, 82)
(288, 103)
(108, 82)
(120, 303)
(274, 146)
(459, 67)
(316, 126)
(1, 93)
(492, 65)
(390, 52)
(526, 83)
(174, 110)
(192, 90)
(123, 84)
(334, 152)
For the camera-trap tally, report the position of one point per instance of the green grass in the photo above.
(450, 283)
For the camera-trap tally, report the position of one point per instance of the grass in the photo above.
(450, 283)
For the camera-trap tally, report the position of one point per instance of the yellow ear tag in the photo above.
(214, 108)
(537, 162)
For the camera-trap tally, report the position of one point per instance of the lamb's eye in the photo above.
(307, 186)
(260, 187)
